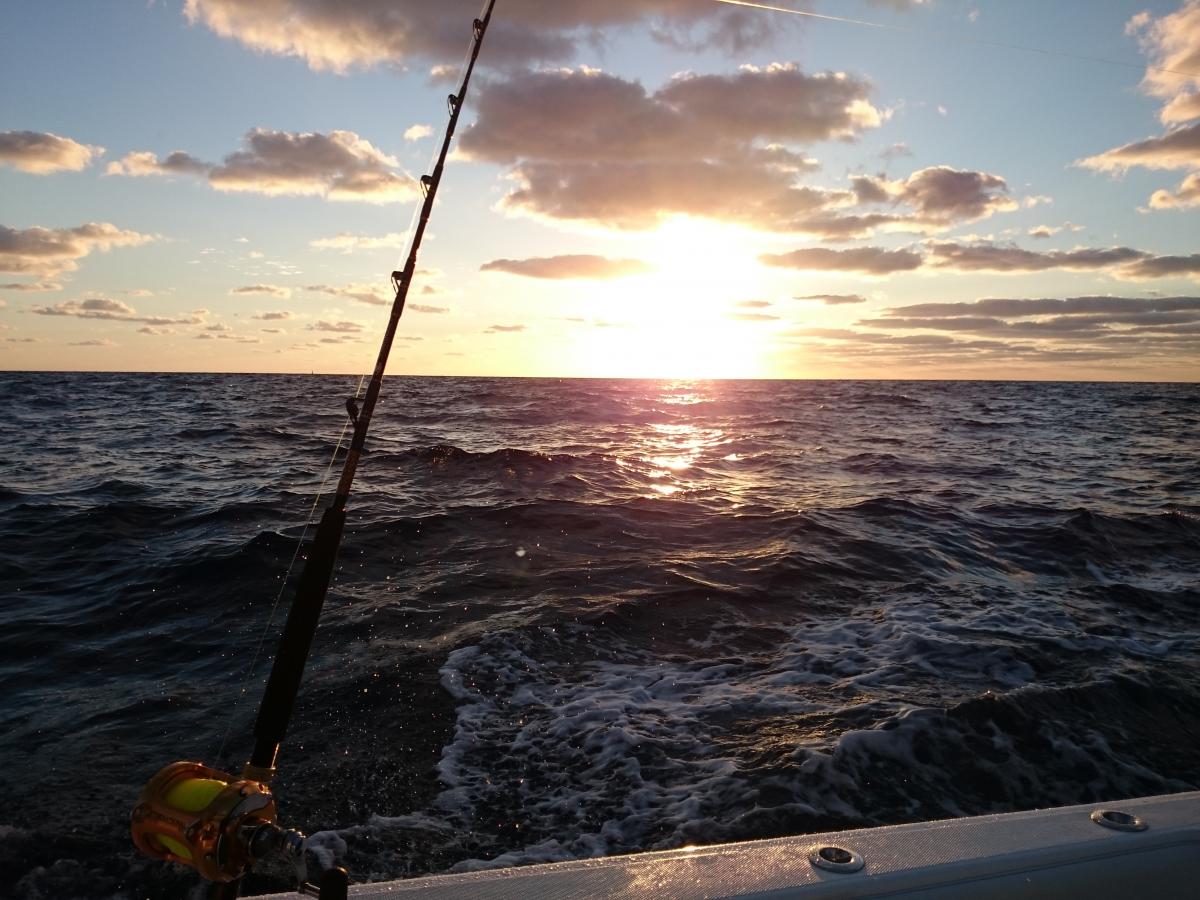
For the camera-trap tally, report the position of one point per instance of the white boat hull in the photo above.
(1054, 853)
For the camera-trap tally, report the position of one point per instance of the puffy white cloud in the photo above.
(987, 256)
(141, 164)
(342, 34)
(591, 146)
(1173, 44)
(941, 195)
(574, 266)
(862, 260)
(835, 299)
(585, 115)
(45, 252)
(1123, 262)
(586, 145)
(342, 327)
(359, 293)
(339, 165)
(42, 153)
(268, 290)
(991, 257)
(114, 311)
(273, 316)
(1177, 149)
(417, 132)
(32, 286)
(348, 243)
(1185, 196)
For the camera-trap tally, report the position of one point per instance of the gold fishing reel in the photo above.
(215, 823)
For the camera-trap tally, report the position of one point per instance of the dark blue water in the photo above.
(575, 618)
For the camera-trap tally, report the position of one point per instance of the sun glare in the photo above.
(679, 320)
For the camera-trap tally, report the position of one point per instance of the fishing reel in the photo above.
(217, 824)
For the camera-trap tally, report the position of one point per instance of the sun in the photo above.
(678, 320)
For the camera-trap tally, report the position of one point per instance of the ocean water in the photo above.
(575, 618)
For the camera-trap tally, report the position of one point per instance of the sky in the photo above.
(643, 188)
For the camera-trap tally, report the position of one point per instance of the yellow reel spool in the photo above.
(200, 817)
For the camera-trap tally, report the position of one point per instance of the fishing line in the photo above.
(346, 427)
(308, 522)
(986, 42)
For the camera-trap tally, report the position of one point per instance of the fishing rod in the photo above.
(222, 825)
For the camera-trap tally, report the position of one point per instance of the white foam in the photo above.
(593, 757)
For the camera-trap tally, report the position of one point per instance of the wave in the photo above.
(583, 617)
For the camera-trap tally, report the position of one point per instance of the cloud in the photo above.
(337, 327)
(576, 266)
(359, 293)
(864, 260)
(835, 299)
(990, 257)
(1187, 195)
(992, 331)
(586, 145)
(273, 316)
(752, 317)
(1164, 267)
(113, 310)
(752, 304)
(987, 256)
(585, 115)
(1123, 262)
(1173, 44)
(348, 243)
(425, 308)
(1077, 319)
(1177, 149)
(32, 286)
(94, 342)
(143, 164)
(340, 35)
(42, 153)
(417, 132)
(1009, 308)
(941, 195)
(270, 290)
(45, 252)
(339, 165)
(504, 329)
